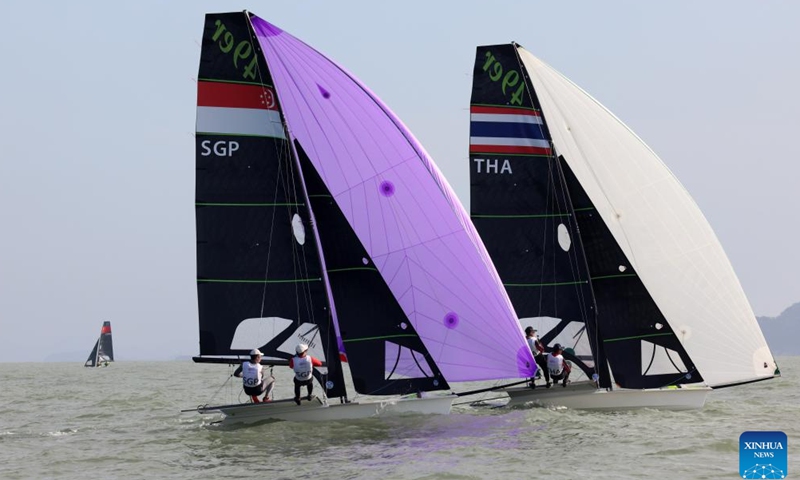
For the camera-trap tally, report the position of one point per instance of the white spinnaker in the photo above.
(659, 228)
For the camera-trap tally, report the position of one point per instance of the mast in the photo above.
(592, 326)
(312, 220)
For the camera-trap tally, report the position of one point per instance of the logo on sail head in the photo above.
(763, 455)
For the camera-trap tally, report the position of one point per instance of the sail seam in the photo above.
(637, 337)
(379, 337)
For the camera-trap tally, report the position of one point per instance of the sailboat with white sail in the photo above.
(600, 247)
(321, 220)
(103, 351)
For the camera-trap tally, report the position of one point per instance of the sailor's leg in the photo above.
(310, 388)
(270, 384)
(297, 391)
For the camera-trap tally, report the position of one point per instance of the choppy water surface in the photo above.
(65, 421)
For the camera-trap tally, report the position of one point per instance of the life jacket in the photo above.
(302, 368)
(555, 363)
(251, 374)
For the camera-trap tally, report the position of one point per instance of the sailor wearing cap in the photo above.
(252, 373)
(303, 366)
(559, 369)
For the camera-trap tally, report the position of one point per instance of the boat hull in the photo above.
(317, 411)
(584, 396)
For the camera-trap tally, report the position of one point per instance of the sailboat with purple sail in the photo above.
(321, 220)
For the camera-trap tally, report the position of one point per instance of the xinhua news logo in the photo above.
(763, 455)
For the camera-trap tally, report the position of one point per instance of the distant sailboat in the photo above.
(321, 220)
(600, 247)
(103, 351)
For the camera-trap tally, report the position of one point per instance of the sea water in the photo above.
(62, 420)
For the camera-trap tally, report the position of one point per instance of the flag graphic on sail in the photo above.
(237, 109)
(496, 129)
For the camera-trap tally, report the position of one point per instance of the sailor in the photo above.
(251, 372)
(303, 366)
(537, 349)
(559, 369)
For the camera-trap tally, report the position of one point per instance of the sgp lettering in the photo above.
(222, 148)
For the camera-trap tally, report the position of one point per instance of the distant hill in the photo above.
(783, 332)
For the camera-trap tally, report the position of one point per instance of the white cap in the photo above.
(300, 348)
(255, 352)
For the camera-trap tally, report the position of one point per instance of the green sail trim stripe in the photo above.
(321, 196)
(378, 338)
(234, 81)
(337, 270)
(239, 280)
(584, 209)
(554, 284)
(637, 336)
(217, 134)
(215, 204)
(535, 215)
(605, 277)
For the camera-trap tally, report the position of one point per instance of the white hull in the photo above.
(317, 411)
(584, 396)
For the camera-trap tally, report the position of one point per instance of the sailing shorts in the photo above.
(260, 388)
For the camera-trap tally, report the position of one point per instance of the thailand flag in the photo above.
(506, 130)
(237, 109)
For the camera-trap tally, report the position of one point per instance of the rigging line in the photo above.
(489, 389)
(332, 313)
(682, 376)
(255, 45)
(289, 188)
(592, 170)
(222, 386)
(544, 130)
(474, 402)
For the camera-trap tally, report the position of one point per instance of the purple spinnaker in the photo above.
(403, 211)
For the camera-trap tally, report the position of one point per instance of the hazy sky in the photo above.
(97, 111)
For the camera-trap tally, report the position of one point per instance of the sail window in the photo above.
(564, 240)
(298, 229)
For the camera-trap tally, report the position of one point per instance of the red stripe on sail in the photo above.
(105, 329)
(508, 149)
(235, 95)
(502, 110)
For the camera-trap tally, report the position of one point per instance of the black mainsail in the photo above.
(260, 279)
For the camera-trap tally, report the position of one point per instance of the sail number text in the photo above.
(241, 51)
(508, 81)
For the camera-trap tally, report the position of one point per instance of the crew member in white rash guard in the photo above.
(251, 373)
(303, 366)
(559, 369)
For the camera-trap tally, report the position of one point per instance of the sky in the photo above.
(97, 112)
